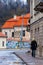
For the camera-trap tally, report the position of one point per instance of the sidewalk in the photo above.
(29, 60)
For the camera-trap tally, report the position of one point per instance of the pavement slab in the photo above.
(29, 59)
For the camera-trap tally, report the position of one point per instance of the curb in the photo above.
(20, 58)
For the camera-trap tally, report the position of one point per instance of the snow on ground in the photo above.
(7, 58)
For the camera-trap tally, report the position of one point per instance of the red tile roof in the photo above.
(2, 35)
(17, 22)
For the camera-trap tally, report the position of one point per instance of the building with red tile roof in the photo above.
(2, 40)
(12, 27)
(2, 35)
(17, 22)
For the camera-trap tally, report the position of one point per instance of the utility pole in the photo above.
(21, 33)
(22, 28)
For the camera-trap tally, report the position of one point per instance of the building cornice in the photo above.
(36, 21)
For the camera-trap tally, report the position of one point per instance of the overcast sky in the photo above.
(25, 1)
(9, 7)
(7, 1)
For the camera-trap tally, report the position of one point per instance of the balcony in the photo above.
(39, 6)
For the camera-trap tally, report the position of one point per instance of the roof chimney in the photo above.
(14, 16)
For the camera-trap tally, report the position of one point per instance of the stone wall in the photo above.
(37, 33)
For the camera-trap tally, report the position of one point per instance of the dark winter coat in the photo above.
(33, 45)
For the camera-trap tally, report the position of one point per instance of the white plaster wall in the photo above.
(27, 35)
(18, 31)
(9, 32)
(2, 39)
(19, 28)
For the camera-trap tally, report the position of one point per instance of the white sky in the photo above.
(25, 1)
(6, 1)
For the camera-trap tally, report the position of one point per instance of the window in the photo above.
(12, 34)
(3, 43)
(32, 33)
(35, 30)
(23, 32)
(5, 33)
(38, 29)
